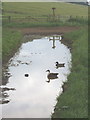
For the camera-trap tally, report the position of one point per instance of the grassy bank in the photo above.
(71, 22)
(73, 103)
(10, 42)
(0, 43)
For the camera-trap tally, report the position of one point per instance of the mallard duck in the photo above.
(60, 65)
(26, 75)
(51, 75)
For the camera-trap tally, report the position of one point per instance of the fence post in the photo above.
(71, 17)
(53, 14)
(9, 19)
(59, 17)
(48, 18)
(82, 17)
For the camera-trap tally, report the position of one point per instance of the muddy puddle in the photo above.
(27, 93)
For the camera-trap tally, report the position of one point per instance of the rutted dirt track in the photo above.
(48, 30)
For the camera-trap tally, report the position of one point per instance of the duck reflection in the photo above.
(51, 76)
(53, 38)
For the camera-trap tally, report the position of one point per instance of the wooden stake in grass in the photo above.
(53, 13)
(9, 19)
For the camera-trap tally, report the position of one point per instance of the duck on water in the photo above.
(51, 76)
(26, 75)
(60, 65)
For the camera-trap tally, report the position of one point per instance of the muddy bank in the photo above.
(47, 30)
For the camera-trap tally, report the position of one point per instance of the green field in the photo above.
(34, 14)
(43, 9)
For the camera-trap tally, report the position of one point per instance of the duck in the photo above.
(60, 65)
(26, 75)
(51, 76)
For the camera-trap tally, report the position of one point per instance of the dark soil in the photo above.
(48, 30)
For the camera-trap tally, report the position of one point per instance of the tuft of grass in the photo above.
(76, 93)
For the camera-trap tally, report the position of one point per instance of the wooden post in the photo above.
(71, 17)
(9, 19)
(48, 18)
(53, 13)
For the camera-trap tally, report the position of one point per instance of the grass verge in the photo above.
(73, 103)
(10, 43)
(70, 22)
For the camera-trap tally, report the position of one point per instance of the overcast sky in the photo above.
(44, 0)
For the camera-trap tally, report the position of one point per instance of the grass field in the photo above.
(43, 9)
(75, 96)
(34, 14)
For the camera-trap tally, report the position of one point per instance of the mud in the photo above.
(48, 30)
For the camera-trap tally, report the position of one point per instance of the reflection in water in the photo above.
(34, 97)
(54, 38)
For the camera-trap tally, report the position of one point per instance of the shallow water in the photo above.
(33, 97)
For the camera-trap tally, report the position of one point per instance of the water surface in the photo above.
(33, 97)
